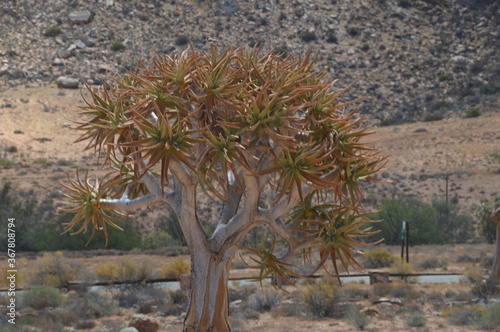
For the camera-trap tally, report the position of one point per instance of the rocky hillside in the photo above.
(412, 59)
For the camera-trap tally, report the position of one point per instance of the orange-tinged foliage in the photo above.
(225, 117)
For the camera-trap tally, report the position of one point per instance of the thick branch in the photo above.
(287, 203)
(230, 207)
(184, 206)
(181, 173)
(241, 222)
(126, 204)
(152, 183)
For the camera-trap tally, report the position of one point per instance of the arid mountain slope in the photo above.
(410, 59)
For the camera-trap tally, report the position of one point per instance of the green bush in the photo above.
(321, 297)
(307, 36)
(490, 319)
(85, 325)
(158, 239)
(181, 40)
(463, 316)
(358, 319)
(178, 297)
(52, 32)
(117, 46)
(418, 214)
(432, 263)
(416, 321)
(282, 51)
(435, 223)
(331, 38)
(486, 289)
(435, 116)
(443, 77)
(264, 300)
(378, 258)
(495, 157)
(91, 305)
(41, 297)
(487, 226)
(404, 3)
(472, 113)
(41, 226)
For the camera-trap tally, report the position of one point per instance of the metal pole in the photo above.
(403, 239)
(407, 241)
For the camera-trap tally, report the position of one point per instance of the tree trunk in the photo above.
(209, 306)
(495, 269)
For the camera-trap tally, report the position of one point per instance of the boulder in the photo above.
(129, 329)
(144, 324)
(80, 17)
(67, 82)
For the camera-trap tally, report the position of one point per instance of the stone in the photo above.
(104, 68)
(63, 53)
(129, 329)
(67, 82)
(4, 70)
(143, 323)
(458, 58)
(89, 42)
(80, 17)
(235, 304)
(80, 44)
(58, 62)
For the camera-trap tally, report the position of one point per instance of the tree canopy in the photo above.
(266, 137)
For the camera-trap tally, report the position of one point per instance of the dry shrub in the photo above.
(377, 258)
(4, 282)
(179, 297)
(490, 319)
(461, 316)
(400, 267)
(474, 276)
(358, 319)
(322, 296)
(92, 305)
(175, 268)
(125, 270)
(382, 290)
(264, 300)
(85, 325)
(41, 297)
(486, 289)
(416, 321)
(396, 289)
(54, 270)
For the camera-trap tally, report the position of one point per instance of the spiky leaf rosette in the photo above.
(84, 196)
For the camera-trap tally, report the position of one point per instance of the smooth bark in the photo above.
(209, 305)
(495, 269)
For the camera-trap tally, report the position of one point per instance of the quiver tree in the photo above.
(265, 137)
(489, 215)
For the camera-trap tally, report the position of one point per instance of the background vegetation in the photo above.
(438, 223)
